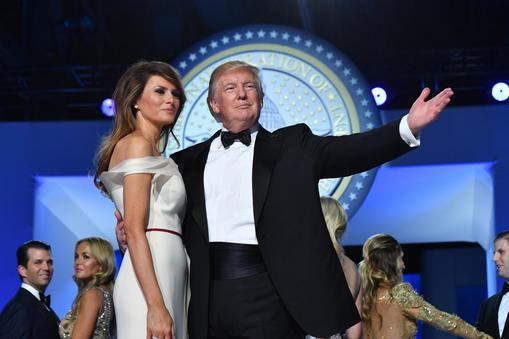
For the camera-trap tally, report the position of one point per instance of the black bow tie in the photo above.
(227, 137)
(45, 299)
(505, 288)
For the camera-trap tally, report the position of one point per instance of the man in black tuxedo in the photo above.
(28, 314)
(262, 263)
(492, 317)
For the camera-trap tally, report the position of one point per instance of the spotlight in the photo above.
(500, 91)
(379, 95)
(108, 107)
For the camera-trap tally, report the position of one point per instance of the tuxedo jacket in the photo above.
(290, 227)
(487, 319)
(26, 317)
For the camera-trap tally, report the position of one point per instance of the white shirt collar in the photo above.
(252, 129)
(31, 289)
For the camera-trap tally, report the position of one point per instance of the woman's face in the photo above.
(401, 264)
(85, 264)
(159, 102)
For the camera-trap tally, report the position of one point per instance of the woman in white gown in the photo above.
(150, 293)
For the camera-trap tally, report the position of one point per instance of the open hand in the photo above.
(422, 112)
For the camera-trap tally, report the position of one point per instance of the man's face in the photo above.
(501, 257)
(39, 269)
(236, 100)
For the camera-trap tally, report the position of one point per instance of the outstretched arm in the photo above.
(446, 322)
(423, 112)
(414, 306)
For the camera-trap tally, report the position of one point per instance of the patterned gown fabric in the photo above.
(401, 307)
(167, 207)
(103, 324)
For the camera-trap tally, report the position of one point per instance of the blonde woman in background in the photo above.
(91, 314)
(336, 220)
(390, 307)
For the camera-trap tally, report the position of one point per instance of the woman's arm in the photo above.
(136, 210)
(354, 284)
(136, 206)
(416, 307)
(355, 332)
(446, 322)
(90, 306)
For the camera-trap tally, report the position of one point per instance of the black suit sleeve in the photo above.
(479, 323)
(345, 155)
(177, 157)
(15, 323)
(487, 318)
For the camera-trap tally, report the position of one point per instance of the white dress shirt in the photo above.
(503, 309)
(229, 192)
(228, 184)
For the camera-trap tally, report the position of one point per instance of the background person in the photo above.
(390, 307)
(492, 317)
(91, 314)
(28, 314)
(336, 220)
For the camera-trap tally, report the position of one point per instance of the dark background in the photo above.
(60, 58)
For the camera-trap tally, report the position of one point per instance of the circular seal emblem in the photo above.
(305, 80)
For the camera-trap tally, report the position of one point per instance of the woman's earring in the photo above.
(136, 106)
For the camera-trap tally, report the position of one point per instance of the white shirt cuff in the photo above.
(407, 135)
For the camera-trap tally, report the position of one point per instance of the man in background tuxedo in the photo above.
(492, 318)
(28, 314)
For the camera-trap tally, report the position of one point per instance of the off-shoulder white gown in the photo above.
(167, 207)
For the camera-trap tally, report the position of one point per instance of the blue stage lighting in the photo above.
(108, 107)
(380, 95)
(500, 91)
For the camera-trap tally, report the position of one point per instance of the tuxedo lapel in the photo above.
(196, 189)
(267, 148)
(43, 310)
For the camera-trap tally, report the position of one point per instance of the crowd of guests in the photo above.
(29, 314)
(389, 307)
(214, 248)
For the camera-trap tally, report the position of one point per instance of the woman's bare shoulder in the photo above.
(93, 298)
(130, 146)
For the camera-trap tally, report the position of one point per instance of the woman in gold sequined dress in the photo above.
(391, 308)
(91, 314)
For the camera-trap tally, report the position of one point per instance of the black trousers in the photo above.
(249, 308)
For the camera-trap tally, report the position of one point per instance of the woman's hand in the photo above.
(159, 323)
